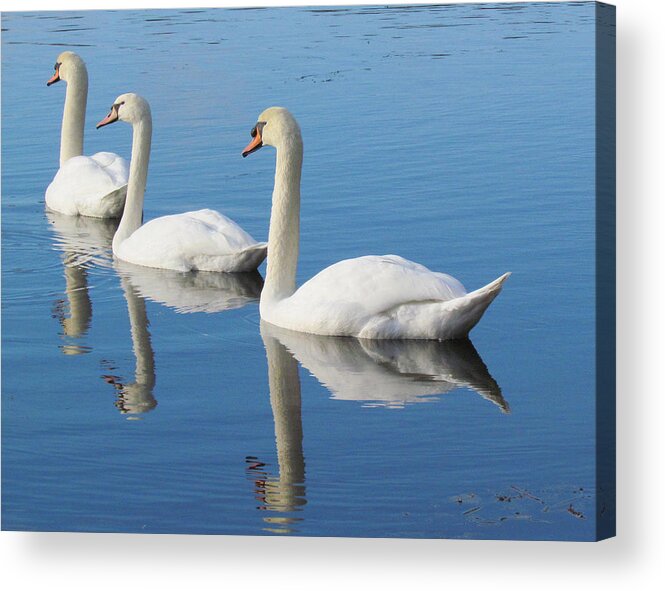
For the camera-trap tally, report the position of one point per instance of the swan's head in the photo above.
(128, 107)
(66, 64)
(275, 127)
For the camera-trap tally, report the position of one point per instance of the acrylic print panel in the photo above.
(473, 139)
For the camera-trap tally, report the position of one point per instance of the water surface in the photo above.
(458, 136)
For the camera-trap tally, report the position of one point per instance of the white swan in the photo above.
(203, 240)
(94, 185)
(374, 297)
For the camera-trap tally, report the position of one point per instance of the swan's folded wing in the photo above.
(116, 167)
(82, 181)
(187, 241)
(370, 285)
(226, 233)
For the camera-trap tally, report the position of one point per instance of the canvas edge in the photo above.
(605, 165)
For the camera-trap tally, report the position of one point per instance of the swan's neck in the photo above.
(73, 118)
(132, 216)
(284, 233)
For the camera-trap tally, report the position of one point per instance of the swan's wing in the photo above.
(194, 232)
(83, 181)
(116, 167)
(205, 240)
(370, 285)
(382, 297)
(224, 228)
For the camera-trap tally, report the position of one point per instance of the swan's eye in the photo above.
(57, 65)
(258, 128)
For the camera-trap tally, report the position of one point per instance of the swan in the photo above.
(85, 242)
(203, 240)
(93, 186)
(372, 297)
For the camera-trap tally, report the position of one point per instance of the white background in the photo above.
(634, 560)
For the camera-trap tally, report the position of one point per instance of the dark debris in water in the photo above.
(50, 44)
(524, 506)
(315, 79)
(527, 494)
(71, 29)
(575, 513)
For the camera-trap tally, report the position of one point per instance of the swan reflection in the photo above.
(135, 397)
(385, 373)
(391, 373)
(83, 242)
(194, 291)
(184, 292)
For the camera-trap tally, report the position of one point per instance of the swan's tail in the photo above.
(462, 314)
(494, 287)
(434, 319)
(251, 257)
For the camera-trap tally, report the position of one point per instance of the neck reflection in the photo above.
(135, 398)
(283, 495)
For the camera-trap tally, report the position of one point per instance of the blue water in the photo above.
(458, 136)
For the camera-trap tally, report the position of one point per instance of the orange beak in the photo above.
(255, 144)
(55, 78)
(110, 118)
